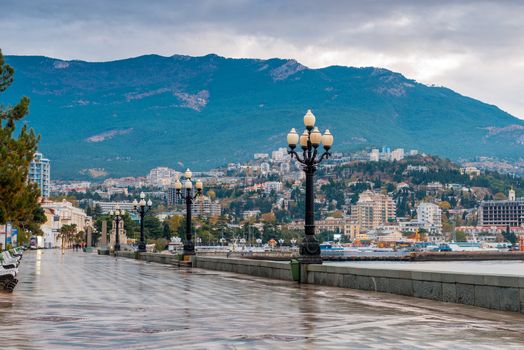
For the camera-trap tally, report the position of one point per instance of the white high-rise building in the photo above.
(397, 154)
(205, 206)
(429, 216)
(374, 156)
(280, 154)
(372, 210)
(162, 176)
(40, 173)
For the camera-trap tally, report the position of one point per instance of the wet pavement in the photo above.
(81, 300)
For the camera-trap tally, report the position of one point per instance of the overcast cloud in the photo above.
(473, 47)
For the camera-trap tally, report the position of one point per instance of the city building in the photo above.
(258, 156)
(372, 210)
(471, 171)
(59, 214)
(59, 187)
(280, 155)
(171, 196)
(429, 216)
(502, 213)
(162, 176)
(246, 214)
(108, 206)
(265, 168)
(40, 173)
(374, 155)
(336, 225)
(270, 186)
(397, 154)
(205, 206)
(416, 168)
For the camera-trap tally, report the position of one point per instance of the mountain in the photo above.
(124, 117)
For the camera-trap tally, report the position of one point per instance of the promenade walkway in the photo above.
(82, 301)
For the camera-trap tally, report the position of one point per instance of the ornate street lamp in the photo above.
(188, 196)
(309, 141)
(118, 216)
(142, 208)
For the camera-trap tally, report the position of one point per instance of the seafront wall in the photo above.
(497, 292)
(487, 291)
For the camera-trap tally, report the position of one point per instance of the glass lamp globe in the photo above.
(178, 185)
(142, 202)
(188, 184)
(142, 195)
(316, 137)
(199, 185)
(188, 174)
(149, 203)
(135, 203)
(292, 138)
(309, 120)
(304, 139)
(327, 140)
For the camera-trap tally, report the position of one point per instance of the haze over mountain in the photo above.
(125, 117)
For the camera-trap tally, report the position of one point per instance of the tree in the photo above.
(509, 236)
(18, 198)
(67, 234)
(444, 205)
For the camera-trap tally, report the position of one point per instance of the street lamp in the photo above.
(142, 208)
(309, 141)
(118, 216)
(188, 196)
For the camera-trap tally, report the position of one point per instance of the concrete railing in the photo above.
(168, 259)
(260, 268)
(488, 291)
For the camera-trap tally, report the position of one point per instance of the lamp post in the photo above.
(309, 141)
(188, 196)
(117, 216)
(142, 208)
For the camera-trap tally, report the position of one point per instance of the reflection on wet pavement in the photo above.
(80, 300)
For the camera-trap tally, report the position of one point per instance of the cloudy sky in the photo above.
(473, 47)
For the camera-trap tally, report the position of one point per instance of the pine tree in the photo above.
(18, 198)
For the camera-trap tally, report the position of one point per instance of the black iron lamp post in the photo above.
(309, 141)
(142, 208)
(188, 195)
(118, 216)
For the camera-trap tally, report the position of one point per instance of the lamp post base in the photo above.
(310, 251)
(141, 247)
(189, 248)
(117, 247)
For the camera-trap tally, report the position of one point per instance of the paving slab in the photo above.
(87, 301)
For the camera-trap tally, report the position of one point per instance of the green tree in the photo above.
(18, 198)
(67, 234)
(510, 236)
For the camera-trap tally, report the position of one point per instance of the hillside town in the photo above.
(380, 197)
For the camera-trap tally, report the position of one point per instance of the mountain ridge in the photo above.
(154, 110)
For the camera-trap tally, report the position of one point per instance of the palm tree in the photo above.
(67, 233)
